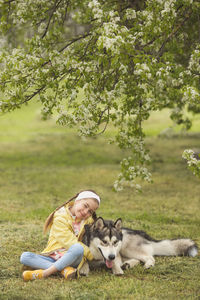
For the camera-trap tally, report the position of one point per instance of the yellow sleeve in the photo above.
(63, 234)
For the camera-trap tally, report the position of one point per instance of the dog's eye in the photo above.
(105, 243)
(115, 243)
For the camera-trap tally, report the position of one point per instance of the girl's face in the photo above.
(84, 208)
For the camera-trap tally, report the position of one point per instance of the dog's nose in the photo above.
(111, 256)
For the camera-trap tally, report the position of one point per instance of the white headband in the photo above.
(87, 194)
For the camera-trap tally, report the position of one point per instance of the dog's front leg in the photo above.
(116, 269)
(95, 264)
(130, 263)
(84, 271)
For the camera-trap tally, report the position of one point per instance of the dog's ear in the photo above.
(86, 227)
(86, 237)
(99, 223)
(118, 224)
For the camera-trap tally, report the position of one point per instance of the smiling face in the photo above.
(84, 208)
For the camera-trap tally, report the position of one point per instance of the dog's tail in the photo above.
(175, 247)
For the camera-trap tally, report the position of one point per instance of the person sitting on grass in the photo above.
(65, 252)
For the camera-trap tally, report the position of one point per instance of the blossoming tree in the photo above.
(128, 58)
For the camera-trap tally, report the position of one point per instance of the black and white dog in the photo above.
(121, 248)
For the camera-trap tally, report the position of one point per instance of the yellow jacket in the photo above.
(62, 235)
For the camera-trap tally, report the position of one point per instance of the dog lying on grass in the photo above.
(122, 248)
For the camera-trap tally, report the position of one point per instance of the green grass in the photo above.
(42, 165)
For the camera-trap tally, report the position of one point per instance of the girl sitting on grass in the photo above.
(64, 252)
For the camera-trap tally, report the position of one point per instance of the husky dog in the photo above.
(122, 248)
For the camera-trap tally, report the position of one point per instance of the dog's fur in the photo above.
(121, 248)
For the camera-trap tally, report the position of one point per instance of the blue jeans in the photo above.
(71, 258)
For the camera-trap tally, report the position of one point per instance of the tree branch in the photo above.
(74, 40)
(173, 33)
(65, 15)
(33, 95)
(198, 27)
(107, 122)
(8, 2)
(55, 6)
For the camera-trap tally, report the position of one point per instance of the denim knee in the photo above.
(77, 250)
(24, 257)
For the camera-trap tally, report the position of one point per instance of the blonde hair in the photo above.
(49, 219)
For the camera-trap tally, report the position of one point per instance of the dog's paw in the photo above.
(149, 264)
(84, 271)
(118, 272)
(125, 266)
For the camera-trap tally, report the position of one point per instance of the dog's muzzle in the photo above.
(109, 262)
(111, 257)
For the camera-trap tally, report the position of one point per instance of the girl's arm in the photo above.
(62, 232)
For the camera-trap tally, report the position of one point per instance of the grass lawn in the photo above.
(42, 165)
